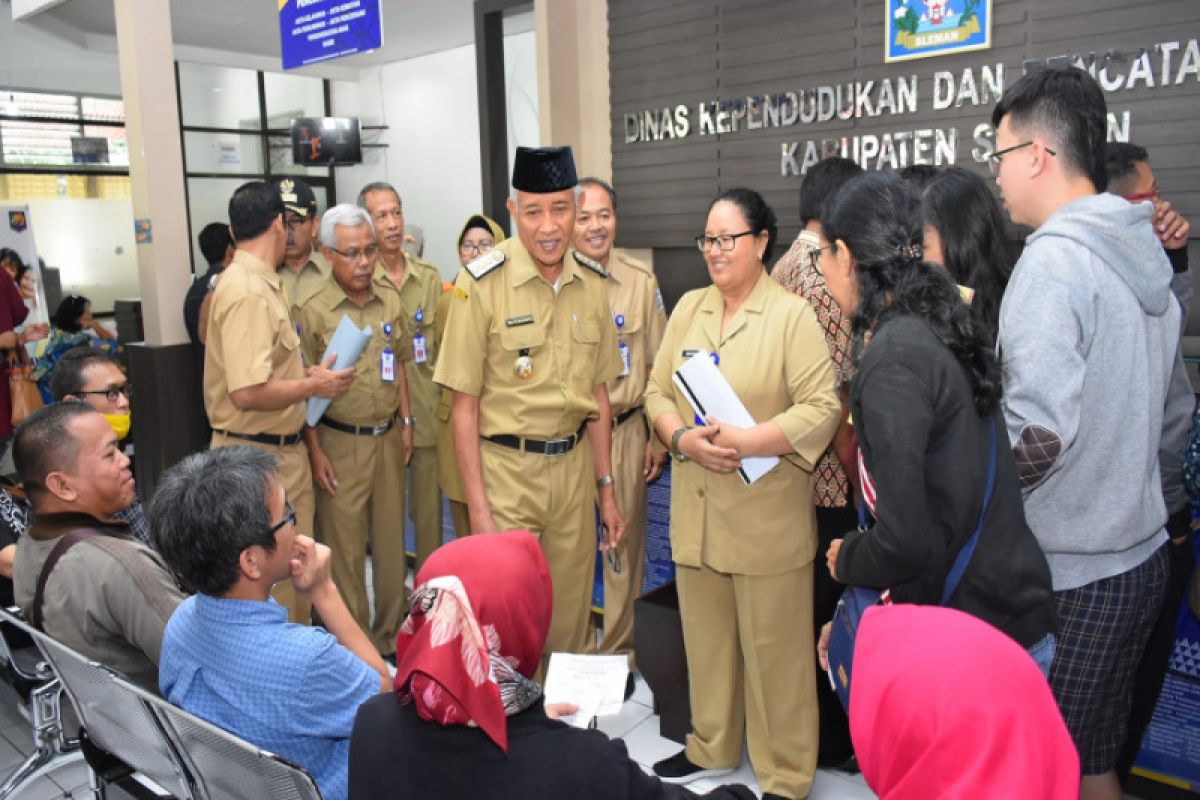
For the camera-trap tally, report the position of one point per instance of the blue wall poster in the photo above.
(318, 30)
(924, 28)
(660, 569)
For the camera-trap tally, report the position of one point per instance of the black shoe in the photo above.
(677, 769)
(630, 685)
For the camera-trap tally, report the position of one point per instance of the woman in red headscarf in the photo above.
(946, 706)
(466, 719)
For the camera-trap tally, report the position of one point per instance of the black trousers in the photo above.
(834, 744)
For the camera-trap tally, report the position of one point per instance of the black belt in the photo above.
(622, 417)
(276, 439)
(552, 447)
(361, 430)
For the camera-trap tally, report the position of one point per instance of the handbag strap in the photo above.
(964, 555)
(64, 543)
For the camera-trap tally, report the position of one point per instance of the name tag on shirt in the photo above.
(387, 366)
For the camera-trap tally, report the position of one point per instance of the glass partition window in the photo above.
(218, 97)
(290, 96)
(231, 153)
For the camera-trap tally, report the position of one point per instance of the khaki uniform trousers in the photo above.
(368, 506)
(749, 642)
(552, 497)
(425, 501)
(296, 476)
(461, 517)
(622, 588)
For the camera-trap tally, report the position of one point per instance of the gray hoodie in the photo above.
(1089, 339)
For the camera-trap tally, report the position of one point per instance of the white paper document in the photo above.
(594, 683)
(710, 395)
(348, 342)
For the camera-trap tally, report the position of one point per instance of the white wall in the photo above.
(35, 60)
(91, 242)
(431, 108)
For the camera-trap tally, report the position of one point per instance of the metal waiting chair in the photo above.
(116, 722)
(41, 693)
(224, 766)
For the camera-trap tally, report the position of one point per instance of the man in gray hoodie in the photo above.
(1089, 340)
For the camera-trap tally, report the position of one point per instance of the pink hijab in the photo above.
(946, 706)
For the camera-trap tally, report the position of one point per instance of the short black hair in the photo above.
(1064, 104)
(207, 509)
(821, 182)
(67, 376)
(252, 209)
(919, 175)
(759, 215)
(43, 444)
(214, 239)
(605, 185)
(1120, 161)
(70, 309)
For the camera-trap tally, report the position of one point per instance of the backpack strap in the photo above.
(964, 555)
(65, 543)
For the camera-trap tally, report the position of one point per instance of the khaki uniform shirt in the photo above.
(251, 340)
(510, 311)
(109, 597)
(638, 309)
(370, 400)
(774, 356)
(299, 286)
(419, 291)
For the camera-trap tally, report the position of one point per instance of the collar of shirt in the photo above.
(335, 295)
(713, 305)
(240, 612)
(50, 526)
(809, 237)
(257, 266)
(523, 269)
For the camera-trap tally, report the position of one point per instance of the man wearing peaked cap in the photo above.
(529, 347)
(304, 269)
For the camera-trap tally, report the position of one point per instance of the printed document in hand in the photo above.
(594, 683)
(711, 396)
(348, 342)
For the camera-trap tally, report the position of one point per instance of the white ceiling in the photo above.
(251, 27)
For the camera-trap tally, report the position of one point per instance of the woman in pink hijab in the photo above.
(946, 706)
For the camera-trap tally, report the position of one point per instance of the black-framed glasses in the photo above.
(476, 247)
(725, 242)
(112, 393)
(995, 158)
(289, 518)
(814, 256)
(354, 254)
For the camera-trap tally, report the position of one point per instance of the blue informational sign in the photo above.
(1170, 750)
(318, 30)
(923, 28)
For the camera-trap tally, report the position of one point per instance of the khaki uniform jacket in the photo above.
(419, 291)
(109, 597)
(251, 340)
(370, 400)
(299, 286)
(774, 355)
(448, 475)
(636, 301)
(510, 311)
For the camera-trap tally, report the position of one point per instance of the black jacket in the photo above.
(394, 753)
(926, 448)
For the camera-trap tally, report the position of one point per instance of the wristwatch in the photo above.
(409, 420)
(675, 437)
(604, 480)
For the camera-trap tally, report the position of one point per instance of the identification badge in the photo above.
(387, 365)
(624, 358)
(303, 359)
(420, 352)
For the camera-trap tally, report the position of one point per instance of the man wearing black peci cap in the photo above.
(304, 269)
(529, 346)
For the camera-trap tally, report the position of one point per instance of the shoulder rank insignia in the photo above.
(584, 261)
(486, 263)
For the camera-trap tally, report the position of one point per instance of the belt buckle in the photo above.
(559, 447)
(379, 430)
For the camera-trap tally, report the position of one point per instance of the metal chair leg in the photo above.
(51, 749)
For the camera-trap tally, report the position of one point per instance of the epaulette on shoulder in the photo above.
(486, 263)
(591, 264)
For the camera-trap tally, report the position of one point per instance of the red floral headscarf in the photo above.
(474, 634)
(945, 705)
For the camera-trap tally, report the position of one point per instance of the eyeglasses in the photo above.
(725, 242)
(995, 158)
(289, 518)
(354, 254)
(814, 256)
(113, 392)
(476, 247)
(1140, 196)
